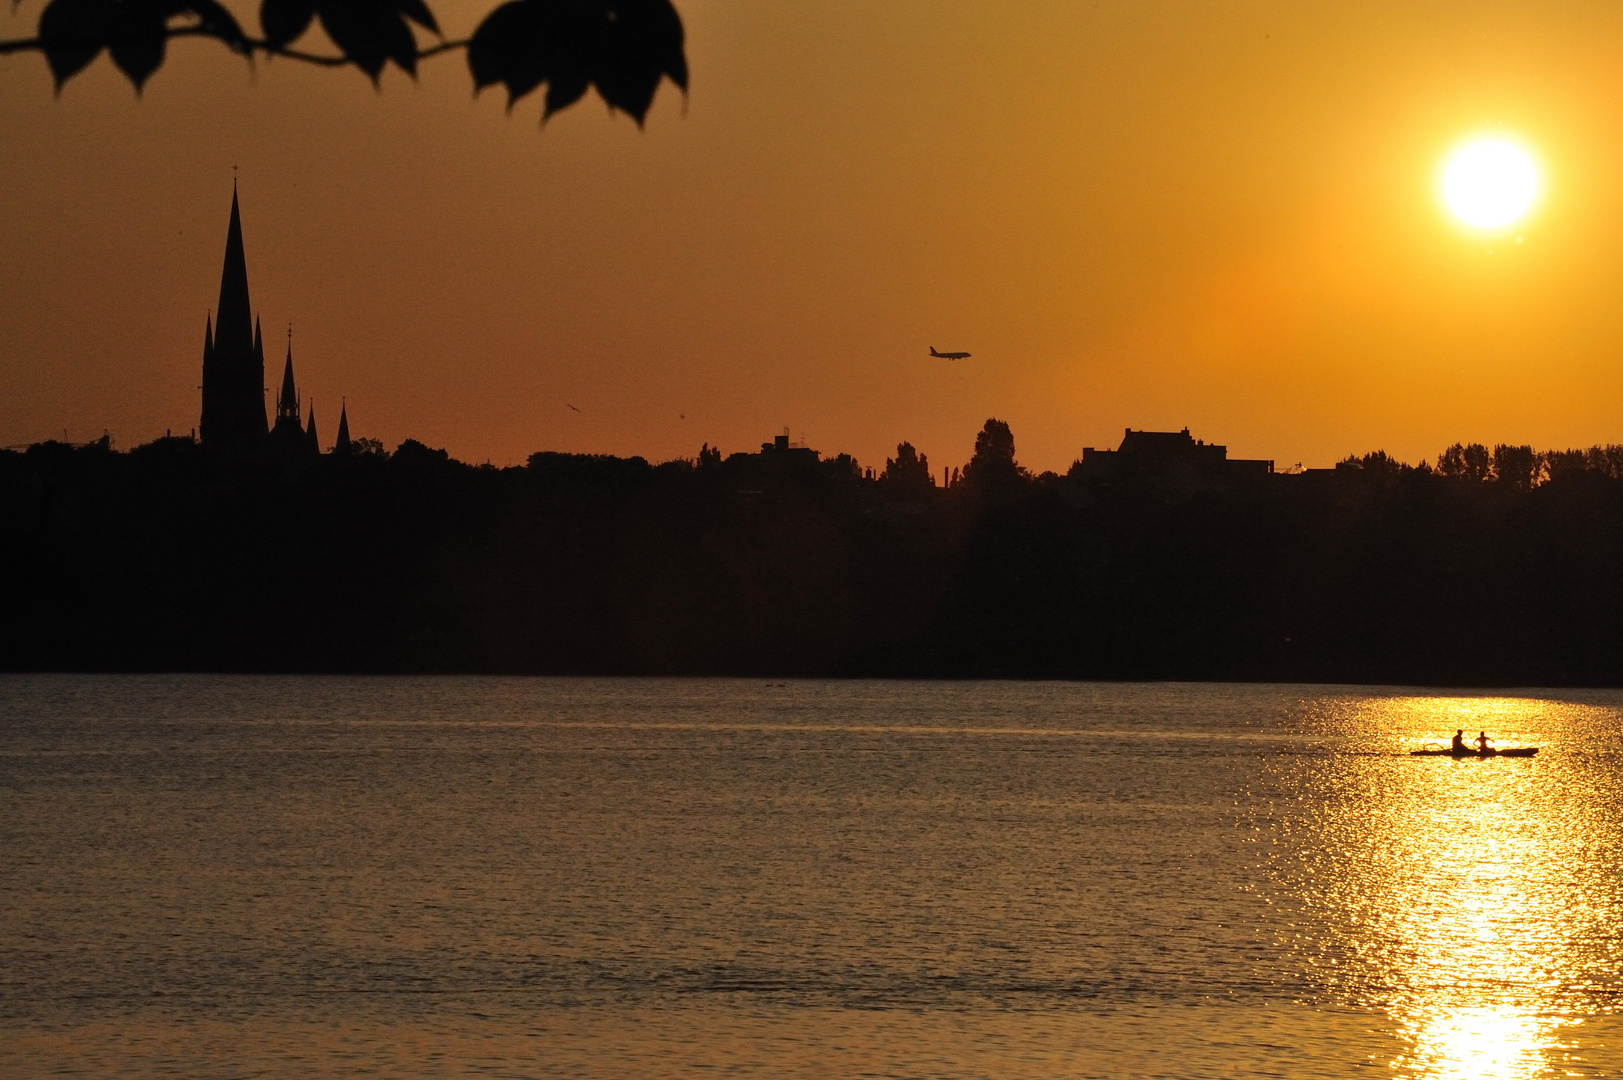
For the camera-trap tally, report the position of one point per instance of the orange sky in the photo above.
(1146, 214)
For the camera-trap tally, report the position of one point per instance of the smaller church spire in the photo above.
(310, 433)
(208, 338)
(259, 361)
(342, 446)
(287, 402)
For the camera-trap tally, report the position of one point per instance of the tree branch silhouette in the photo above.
(252, 45)
(623, 48)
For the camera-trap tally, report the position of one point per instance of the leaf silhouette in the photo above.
(502, 50)
(372, 32)
(285, 20)
(135, 32)
(72, 33)
(623, 47)
(418, 12)
(640, 45)
(139, 31)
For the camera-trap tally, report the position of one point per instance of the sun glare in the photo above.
(1490, 183)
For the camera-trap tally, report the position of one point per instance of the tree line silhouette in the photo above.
(1490, 567)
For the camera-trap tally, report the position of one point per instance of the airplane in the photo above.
(948, 355)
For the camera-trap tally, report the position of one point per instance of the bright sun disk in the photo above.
(1490, 183)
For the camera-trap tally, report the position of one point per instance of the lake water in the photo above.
(301, 877)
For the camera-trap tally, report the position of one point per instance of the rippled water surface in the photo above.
(294, 877)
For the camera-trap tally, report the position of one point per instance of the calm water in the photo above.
(293, 877)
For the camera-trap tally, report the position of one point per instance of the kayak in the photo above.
(1516, 751)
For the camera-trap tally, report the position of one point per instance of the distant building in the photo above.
(779, 459)
(234, 424)
(1170, 460)
(782, 449)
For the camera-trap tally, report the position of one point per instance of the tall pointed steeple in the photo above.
(235, 314)
(233, 421)
(310, 433)
(342, 446)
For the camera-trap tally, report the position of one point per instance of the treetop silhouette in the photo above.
(993, 464)
(909, 470)
(624, 48)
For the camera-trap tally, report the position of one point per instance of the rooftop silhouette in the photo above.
(1170, 459)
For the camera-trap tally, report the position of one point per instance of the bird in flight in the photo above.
(571, 406)
(948, 355)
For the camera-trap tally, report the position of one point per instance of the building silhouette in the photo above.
(233, 423)
(1171, 460)
(780, 448)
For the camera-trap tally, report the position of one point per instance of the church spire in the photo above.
(235, 314)
(287, 402)
(342, 446)
(233, 421)
(291, 442)
(310, 433)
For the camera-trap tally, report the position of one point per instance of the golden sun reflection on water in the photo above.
(1476, 898)
(1481, 1044)
(1477, 906)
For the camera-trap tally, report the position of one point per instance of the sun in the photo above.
(1490, 183)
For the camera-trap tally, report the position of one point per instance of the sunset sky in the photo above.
(1148, 215)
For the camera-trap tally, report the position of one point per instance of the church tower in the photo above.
(287, 402)
(233, 422)
(290, 441)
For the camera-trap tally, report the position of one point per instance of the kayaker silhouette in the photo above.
(1459, 742)
(1482, 742)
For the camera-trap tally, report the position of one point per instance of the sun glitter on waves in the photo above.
(1490, 183)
